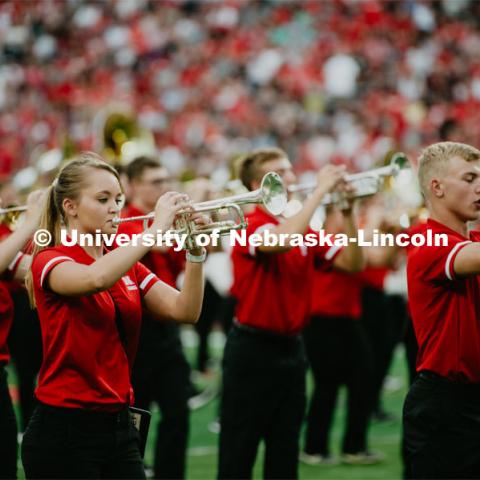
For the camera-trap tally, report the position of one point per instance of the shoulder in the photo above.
(45, 260)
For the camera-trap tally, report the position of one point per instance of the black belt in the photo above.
(457, 384)
(262, 332)
(122, 417)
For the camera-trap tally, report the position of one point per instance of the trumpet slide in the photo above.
(271, 193)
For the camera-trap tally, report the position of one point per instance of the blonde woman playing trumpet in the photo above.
(90, 303)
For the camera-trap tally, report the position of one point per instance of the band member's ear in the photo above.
(437, 188)
(69, 207)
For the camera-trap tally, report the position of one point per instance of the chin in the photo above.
(109, 230)
(472, 216)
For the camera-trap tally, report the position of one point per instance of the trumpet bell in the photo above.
(273, 193)
(399, 161)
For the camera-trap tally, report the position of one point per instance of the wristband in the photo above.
(197, 258)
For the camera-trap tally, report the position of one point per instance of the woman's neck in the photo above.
(95, 251)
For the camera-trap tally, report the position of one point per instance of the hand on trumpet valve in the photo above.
(200, 219)
(329, 178)
(347, 191)
(167, 208)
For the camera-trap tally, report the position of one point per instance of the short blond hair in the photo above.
(435, 157)
(249, 166)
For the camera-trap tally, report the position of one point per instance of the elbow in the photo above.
(357, 264)
(187, 313)
(99, 282)
(191, 317)
(353, 263)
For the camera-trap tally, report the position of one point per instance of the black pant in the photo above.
(411, 349)
(339, 353)
(74, 443)
(8, 431)
(211, 310)
(263, 398)
(384, 318)
(25, 343)
(161, 374)
(441, 422)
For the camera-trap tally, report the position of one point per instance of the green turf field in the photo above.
(202, 456)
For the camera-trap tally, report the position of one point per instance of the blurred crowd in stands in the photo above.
(342, 81)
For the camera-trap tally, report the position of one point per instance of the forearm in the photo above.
(22, 268)
(108, 269)
(189, 301)
(353, 257)
(378, 257)
(13, 244)
(298, 224)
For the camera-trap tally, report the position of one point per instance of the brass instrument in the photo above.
(119, 137)
(10, 215)
(364, 184)
(271, 193)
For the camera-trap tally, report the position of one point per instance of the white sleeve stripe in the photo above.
(146, 280)
(46, 268)
(448, 265)
(262, 228)
(332, 251)
(13, 263)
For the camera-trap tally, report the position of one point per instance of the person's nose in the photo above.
(115, 207)
(289, 178)
(477, 186)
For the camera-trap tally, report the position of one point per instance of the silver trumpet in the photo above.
(271, 193)
(20, 209)
(364, 184)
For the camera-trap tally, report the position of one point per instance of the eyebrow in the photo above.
(108, 192)
(470, 173)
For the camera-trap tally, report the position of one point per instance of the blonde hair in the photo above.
(249, 166)
(435, 158)
(69, 184)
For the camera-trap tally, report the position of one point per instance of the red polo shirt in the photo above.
(6, 319)
(273, 291)
(7, 285)
(166, 265)
(445, 309)
(84, 362)
(342, 295)
(7, 277)
(374, 277)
